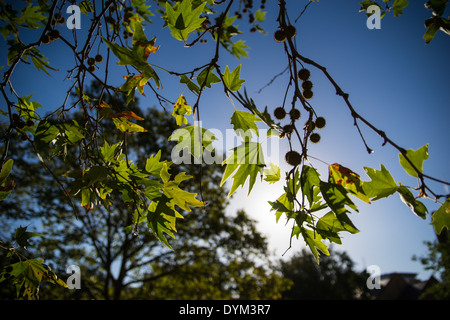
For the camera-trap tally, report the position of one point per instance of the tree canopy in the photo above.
(112, 166)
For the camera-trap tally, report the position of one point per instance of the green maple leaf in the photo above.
(441, 218)
(21, 236)
(161, 218)
(417, 157)
(417, 207)
(272, 174)
(243, 121)
(194, 138)
(135, 58)
(309, 179)
(382, 184)
(336, 198)
(283, 204)
(207, 80)
(32, 17)
(153, 164)
(247, 161)
(398, 7)
(238, 49)
(28, 275)
(183, 19)
(329, 227)
(314, 242)
(232, 80)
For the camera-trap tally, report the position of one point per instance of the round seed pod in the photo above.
(293, 158)
(304, 74)
(320, 122)
(280, 36)
(307, 85)
(98, 58)
(295, 114)
(315, 137)
(279, 113)
(290, 31)
(308, 94)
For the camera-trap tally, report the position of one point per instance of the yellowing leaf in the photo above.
(180, 109)
(127, 126)
(348, 179)
(126, 115)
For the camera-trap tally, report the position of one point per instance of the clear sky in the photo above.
(394, 80)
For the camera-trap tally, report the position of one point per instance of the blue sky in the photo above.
(394, 80)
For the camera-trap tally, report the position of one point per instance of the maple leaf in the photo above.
(348, 179)
(180, 109)
(272, 174)
(246, 161)
(183, 19)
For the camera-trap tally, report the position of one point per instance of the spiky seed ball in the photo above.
(295, 114)
(320, 122)
(293, 158)
(91, 61)
(91, 69)
(280, 36)
(288, 129)
(290, 31)
(315, 137)
(308, 94)
(304, 74)
(54, 35)
(98, 58)
(307, 85)
(45, 39)
(279, 113)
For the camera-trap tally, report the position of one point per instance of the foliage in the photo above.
(333, 279)
(216, 255)
(107, 174)
(437, 261)
(436, 22)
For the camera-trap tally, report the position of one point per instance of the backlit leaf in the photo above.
(309, 179)
(180, 110)
(314, 242)
(441, 217)
(243, 121)
(348, 179)
(417, 157)
(248, 159)
(127, 126)
(272, 174)
(194, 138)
(408, 198)
(232, 80)
(338, 201)
(382, 184)
(183, 18)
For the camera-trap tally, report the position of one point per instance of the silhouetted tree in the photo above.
(333, 278)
